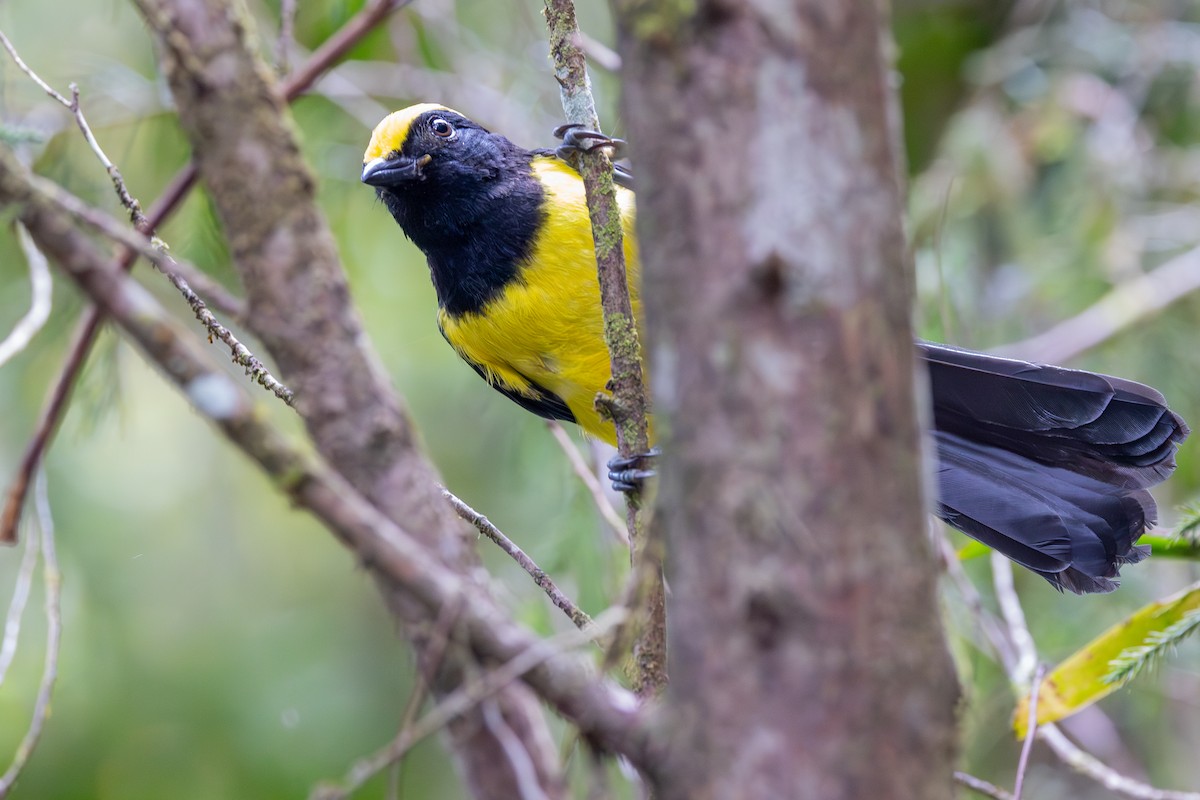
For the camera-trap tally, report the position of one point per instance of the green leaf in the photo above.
(1088, 674)
(973, 549)
(1172, 546)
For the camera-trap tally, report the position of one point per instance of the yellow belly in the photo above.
(546, 327)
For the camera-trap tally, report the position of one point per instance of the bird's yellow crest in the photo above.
(389, 135)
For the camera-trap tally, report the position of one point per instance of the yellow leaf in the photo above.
(1078, 682)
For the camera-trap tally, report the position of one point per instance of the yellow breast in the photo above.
(546, 327)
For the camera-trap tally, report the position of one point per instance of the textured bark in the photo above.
(806, 655)
(246, 152)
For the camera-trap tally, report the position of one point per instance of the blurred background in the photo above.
(219, 644)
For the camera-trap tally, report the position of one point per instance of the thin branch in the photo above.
(599, 53)
(585, 474)
(461, 700)
(547, 585)
(986, 622)
(600, 708)
(337, 45)
(33, 76)
(1030, 733)
(1019, 676)
(39, 307)
(1087, 764)
(1123, 307)
(73, 105)
(429, 663)
(300, 81)
(156, 253)
(517, 756)
(287, 35)
(1021, 672)
(627, 407)
(982, 787)
(52, 580)
(16, 606)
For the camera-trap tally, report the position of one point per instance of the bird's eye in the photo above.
(441, 128)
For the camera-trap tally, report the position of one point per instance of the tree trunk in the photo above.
(806, 654)
(299, 307)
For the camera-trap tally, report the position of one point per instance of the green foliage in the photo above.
(1188, 528)
(218, 644)
(1134, 660)
(1113, 658)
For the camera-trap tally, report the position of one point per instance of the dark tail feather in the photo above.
(1047, 465)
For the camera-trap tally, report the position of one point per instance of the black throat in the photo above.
(476, 232)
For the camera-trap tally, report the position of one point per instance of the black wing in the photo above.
(540, 401)
(1049, 465)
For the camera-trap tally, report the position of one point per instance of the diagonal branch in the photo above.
(543, 581)
(371, 15)
(1123, 307)
(387, 549)
(299, 306)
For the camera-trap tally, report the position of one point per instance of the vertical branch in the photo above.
(627, 407)
(52, 582)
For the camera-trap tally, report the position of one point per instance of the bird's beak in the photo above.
(393, 171)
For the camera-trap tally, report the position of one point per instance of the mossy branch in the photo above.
(627, 407)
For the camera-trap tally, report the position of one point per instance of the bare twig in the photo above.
(287, 28)
(1021, 671)
(627, 407)
(156, 253)
(987, 623)
(517, 756)
(459, 702)
(485, 527)
(585, 474)
(16, 606)
(429, 662)
(1030, 733)
(299, 82)
(600, 708)
(39, 307)
(982, 787)
(599, 53)
(1124, 306)
(52, 579)
(73, 105)
(337, 45)
(20, 62)
(1020, 676)
(1087, 764)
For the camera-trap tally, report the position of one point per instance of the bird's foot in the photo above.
(578, 139)
(628, 474)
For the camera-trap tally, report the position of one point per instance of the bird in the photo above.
(1047, 465)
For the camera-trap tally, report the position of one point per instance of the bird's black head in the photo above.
(438, 171)
(466, 196)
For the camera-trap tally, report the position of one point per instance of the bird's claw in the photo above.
(628, 474)
(578, 139)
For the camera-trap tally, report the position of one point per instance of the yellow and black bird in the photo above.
(1049, 466)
